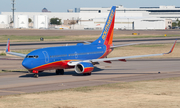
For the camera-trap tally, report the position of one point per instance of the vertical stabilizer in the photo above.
(108, 30)
(8, 46)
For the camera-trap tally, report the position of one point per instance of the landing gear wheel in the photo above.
(36, 75)
(60, 72)
(89, 73)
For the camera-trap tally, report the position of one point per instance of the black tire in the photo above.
(36, 75)
(60, 72)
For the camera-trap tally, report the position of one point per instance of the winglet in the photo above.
(172, 48)
(8, 46)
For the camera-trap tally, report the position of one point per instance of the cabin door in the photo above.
(46, 56)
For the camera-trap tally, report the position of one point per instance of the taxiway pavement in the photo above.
(18, 82)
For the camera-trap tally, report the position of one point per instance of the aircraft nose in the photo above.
(25, 63)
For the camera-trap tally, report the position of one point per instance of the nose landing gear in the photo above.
(35, 73)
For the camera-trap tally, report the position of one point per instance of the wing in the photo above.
(127, 44)
(13, 53)
(108, 60)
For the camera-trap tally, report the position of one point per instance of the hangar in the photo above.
(126, 18)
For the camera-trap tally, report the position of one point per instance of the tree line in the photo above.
(55, 21)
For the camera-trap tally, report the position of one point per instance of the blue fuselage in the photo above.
(56, 57)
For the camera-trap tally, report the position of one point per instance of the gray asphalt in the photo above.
(18, 82)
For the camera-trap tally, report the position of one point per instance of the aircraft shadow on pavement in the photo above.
(96, 71)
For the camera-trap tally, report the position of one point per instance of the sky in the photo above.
(63, 5)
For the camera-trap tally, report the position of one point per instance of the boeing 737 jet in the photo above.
(81, 57)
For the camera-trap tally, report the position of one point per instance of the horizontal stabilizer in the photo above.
(13, 53)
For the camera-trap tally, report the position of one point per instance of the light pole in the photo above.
(128, 23)
(13, 2)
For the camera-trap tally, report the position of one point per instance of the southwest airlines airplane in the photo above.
(81, 57)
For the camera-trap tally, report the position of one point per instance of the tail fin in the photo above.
(8, 46)
(107, 33)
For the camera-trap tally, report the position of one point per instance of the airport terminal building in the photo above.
(94, 18)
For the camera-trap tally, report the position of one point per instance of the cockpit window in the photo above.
(36, 56)
(29, 56)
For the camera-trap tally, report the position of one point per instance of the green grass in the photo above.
(4, 38)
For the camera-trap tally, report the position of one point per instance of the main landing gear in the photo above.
(87, 73)
(60, 72)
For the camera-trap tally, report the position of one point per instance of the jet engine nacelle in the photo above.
(84, 67)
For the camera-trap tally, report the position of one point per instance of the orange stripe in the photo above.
(51, 64)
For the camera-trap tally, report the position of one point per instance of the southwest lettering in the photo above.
(108, 25)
